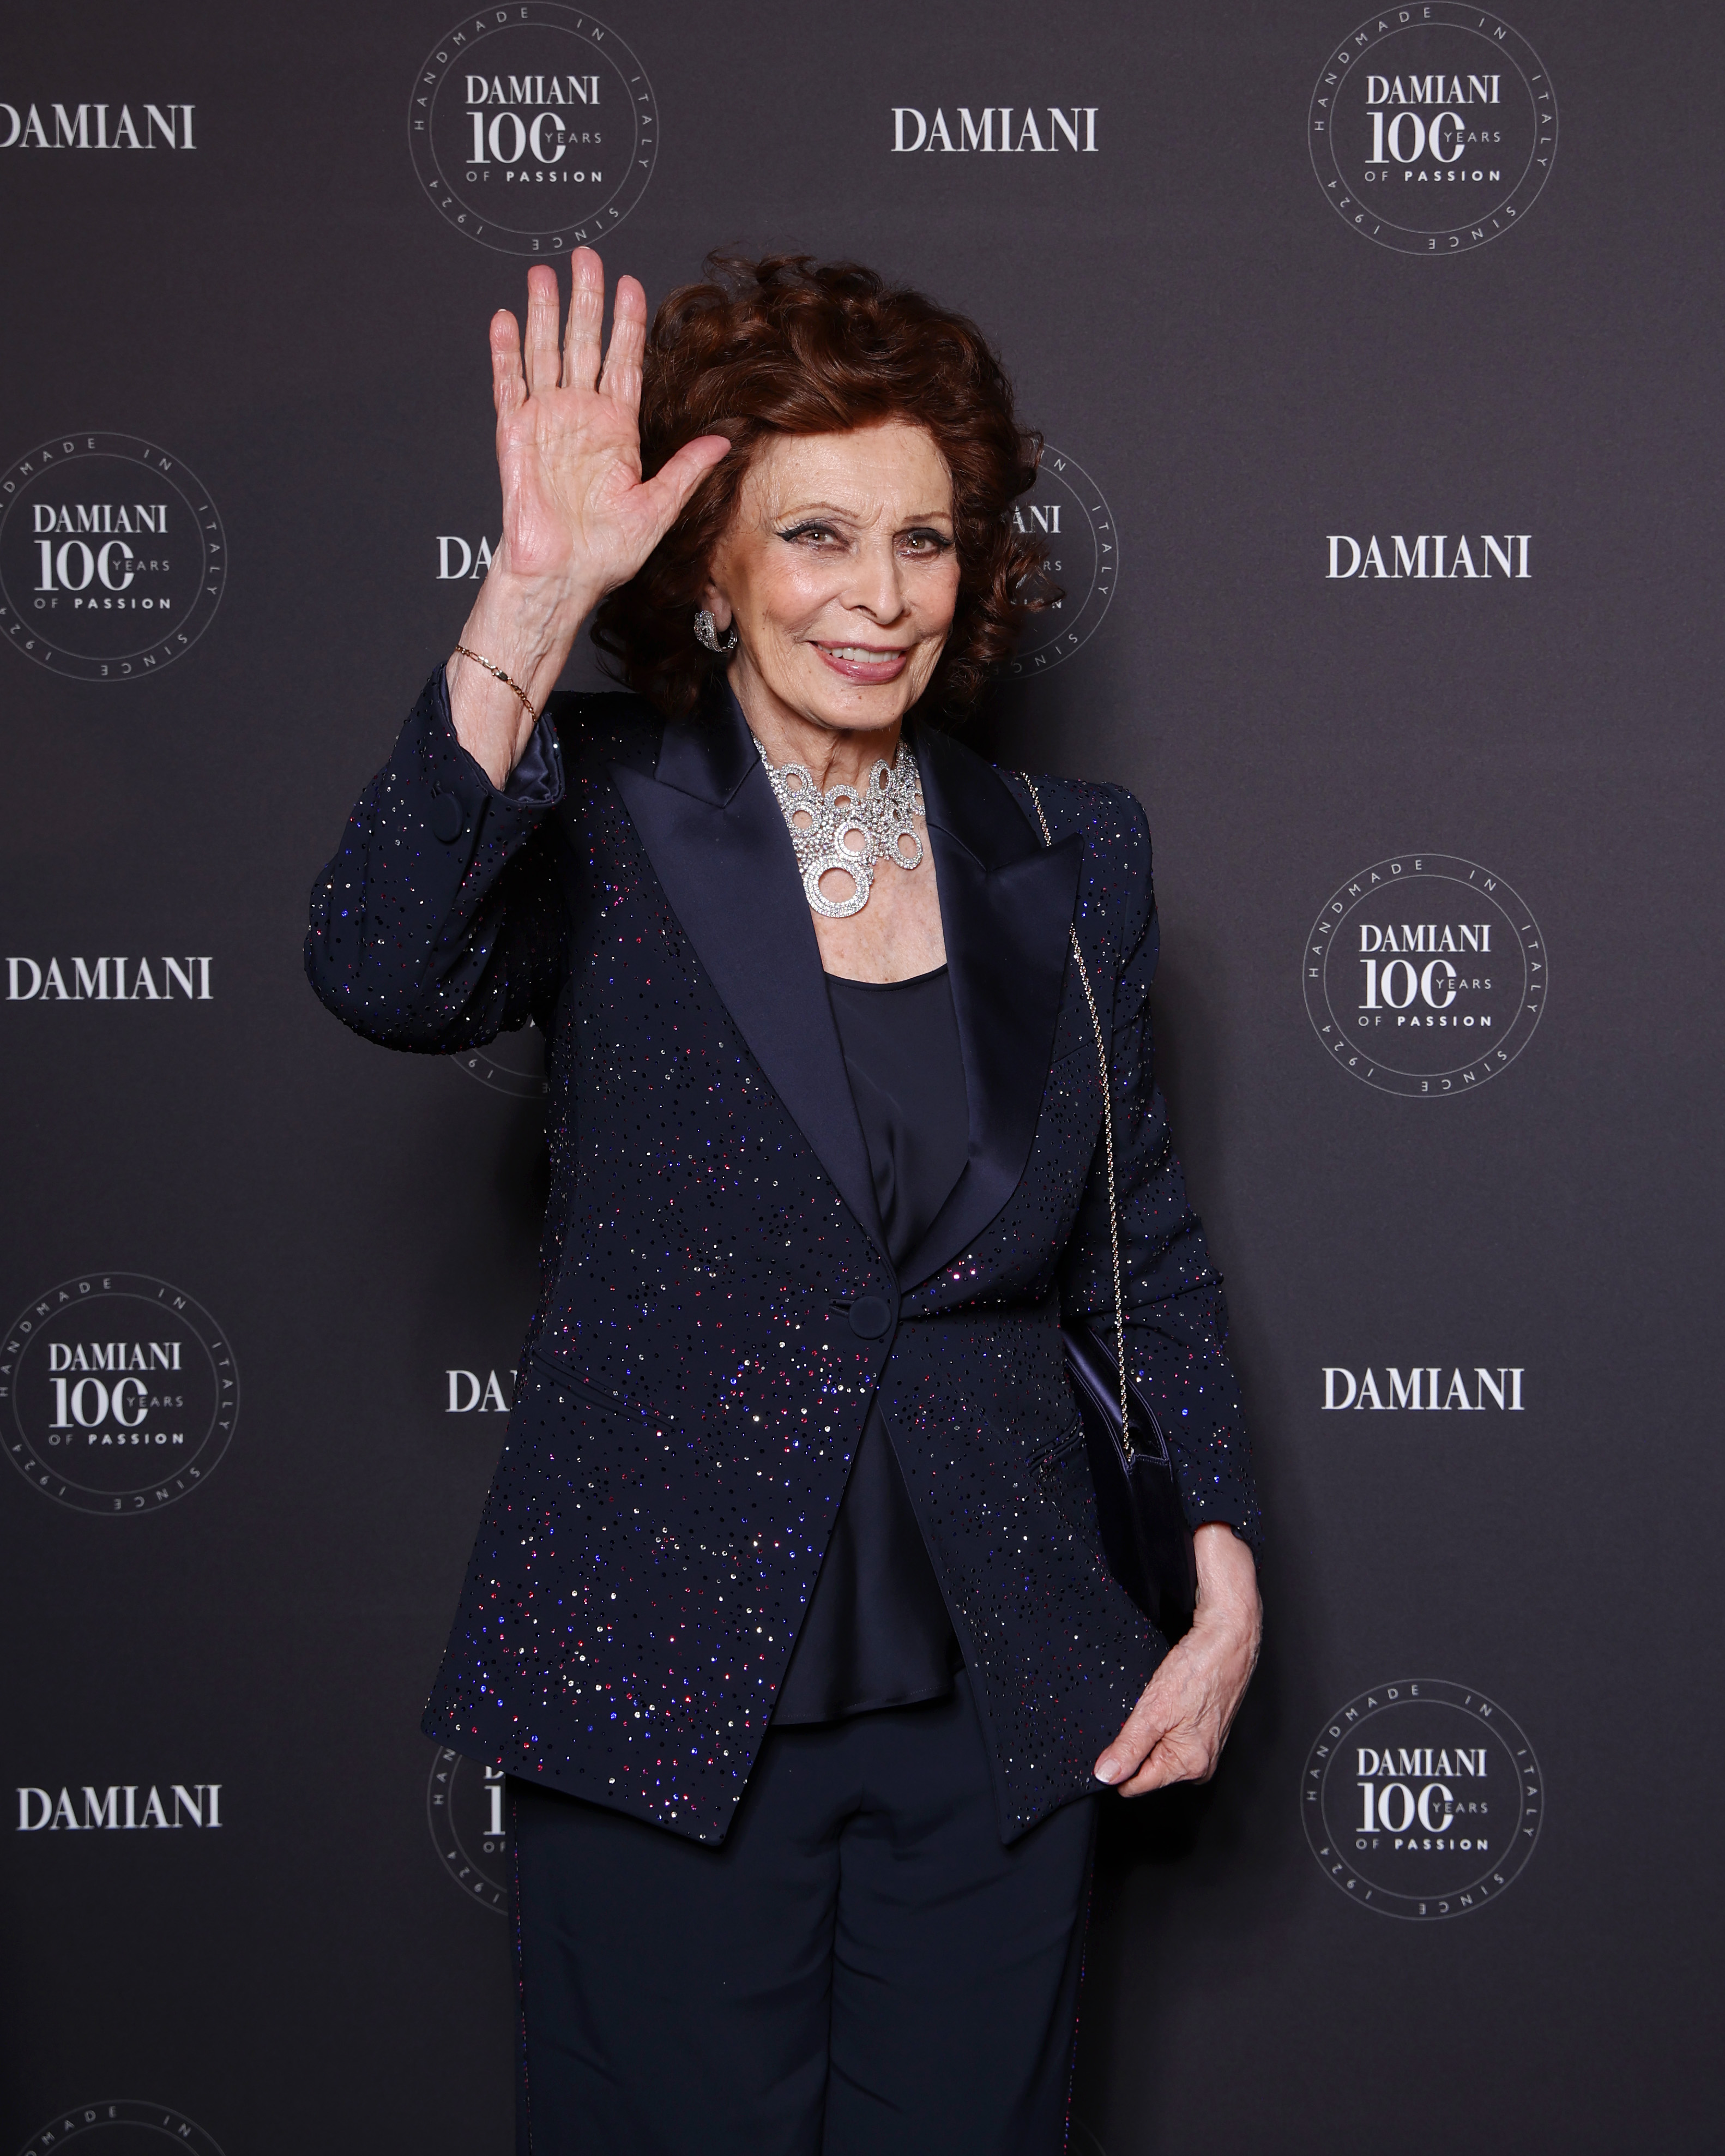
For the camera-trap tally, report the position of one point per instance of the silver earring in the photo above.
(707, 632)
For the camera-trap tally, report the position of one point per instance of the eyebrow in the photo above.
(832, 508)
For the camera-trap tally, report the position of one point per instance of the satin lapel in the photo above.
(1006, 911)
(719, 846)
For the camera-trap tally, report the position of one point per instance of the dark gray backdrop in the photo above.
(1238, 375)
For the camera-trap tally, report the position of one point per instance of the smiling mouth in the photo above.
(863, 659)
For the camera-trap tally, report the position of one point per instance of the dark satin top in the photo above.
(876, 1633)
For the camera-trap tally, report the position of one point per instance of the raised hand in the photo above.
(568, 440)
(578, 519)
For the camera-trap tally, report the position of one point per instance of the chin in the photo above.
(862, 706)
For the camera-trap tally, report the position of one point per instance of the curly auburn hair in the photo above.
(789, 346)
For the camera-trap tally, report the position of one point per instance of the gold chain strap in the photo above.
(1126, 1425)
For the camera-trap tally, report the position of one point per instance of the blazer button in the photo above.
(449, 819)
(871, 1315)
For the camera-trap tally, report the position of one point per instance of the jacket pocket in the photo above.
(565, 1382)
(1056, 1454)
(1063, 1473)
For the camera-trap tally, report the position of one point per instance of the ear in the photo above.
(713, 599)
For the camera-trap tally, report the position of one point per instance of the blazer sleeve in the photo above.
(441, 922)
(1176, 1317)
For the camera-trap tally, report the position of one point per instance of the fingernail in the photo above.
(1108, 1771)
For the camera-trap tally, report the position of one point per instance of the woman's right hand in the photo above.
(578, 519)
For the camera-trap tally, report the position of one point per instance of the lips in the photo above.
(861, 662)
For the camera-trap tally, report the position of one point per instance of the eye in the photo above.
(924, 542)
(814, 535)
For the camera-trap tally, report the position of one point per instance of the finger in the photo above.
(621, 380)
(666, 493)
(509, 391)
(586, 311)
(1142, 1730)
(1181, 1756)
(1163, 1705)
(542, 328)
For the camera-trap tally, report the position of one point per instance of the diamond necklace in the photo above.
(851, 828)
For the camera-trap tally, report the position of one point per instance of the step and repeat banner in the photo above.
(1377, 360)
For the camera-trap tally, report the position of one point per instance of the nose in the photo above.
(877, 587)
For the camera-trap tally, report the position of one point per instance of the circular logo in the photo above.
(1066, 510)
(533, 129)
(123, 1394)
(112, 557)
(1424, 975)
(514, 1063)
(122, 2127)
(1433, 128)
(1421, 1800)
(466, 1811)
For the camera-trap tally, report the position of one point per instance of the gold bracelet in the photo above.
(516, 686)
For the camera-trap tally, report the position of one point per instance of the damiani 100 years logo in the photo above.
(120, 1393)
(533, 128)
(1433, 128)
(112, 557)
(467, 1811)
(1068, 512)
(1421, 1800)
(1424, 975)
(121, 2127)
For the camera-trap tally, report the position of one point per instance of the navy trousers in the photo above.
(862, 1969)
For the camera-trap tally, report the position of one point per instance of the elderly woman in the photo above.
(790, 1618)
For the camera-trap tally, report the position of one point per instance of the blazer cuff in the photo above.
(1216, 1486)
(535, 783)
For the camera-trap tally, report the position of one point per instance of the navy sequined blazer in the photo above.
(717, 1308)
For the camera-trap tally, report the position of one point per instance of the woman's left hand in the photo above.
(1176, 1732)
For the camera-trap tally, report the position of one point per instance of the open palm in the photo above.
(575, 510)
(578, 519)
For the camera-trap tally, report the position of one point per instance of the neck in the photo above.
(833, 756)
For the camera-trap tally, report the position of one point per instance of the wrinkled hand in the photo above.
(578, 519)
(1176, 1732)
(575, 507)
